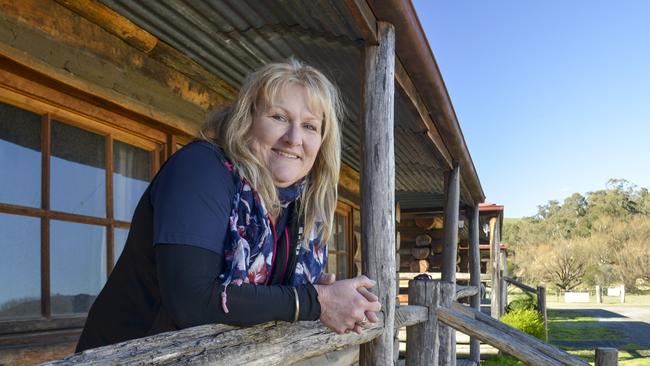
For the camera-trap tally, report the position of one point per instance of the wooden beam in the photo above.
(378, 187)
(406, 85)
(519, 284)
(273, 343)
(364, 19)
(422, 339)
(144, 41)
(452, 197)
(475, 275)
(465, 291)
(407, 315)
(495, 337)
(536, 343)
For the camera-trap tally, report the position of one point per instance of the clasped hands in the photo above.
(347, 304)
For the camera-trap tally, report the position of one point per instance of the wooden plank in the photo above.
(452, 201)
(17, 328)
(378, 182)
(465, 291)
(543, 347)
(606, 356)
(273, 343)
(495, 337)
(407, 315)
(447, 334)
(522, 286)
(475, 275)
(422, 340)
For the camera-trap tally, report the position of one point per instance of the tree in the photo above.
(601, 238)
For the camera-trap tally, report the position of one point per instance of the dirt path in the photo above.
(632, 323)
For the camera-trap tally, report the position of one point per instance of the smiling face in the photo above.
(287, 135)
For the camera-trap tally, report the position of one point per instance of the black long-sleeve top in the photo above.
(168, 276)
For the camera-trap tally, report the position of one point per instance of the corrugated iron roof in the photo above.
(231, 38)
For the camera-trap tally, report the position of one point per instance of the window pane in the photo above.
(119, 238)
(331, 257)
(77, 265)
(131, 169)
(342, 270)
(78, 171)
(20, 266)
(20, 156)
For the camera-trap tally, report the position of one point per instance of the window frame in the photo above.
(345, 210)
(53, 104)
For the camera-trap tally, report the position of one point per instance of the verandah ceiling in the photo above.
(231, 38)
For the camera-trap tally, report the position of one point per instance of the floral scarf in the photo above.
(250, 246)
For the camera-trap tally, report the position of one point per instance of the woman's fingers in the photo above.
(367, 294)
(372, 316)
(363, 281)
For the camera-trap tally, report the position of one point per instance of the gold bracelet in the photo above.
(295, 292)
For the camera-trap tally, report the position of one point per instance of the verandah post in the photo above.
(422, 341)
(474, 275)
(447, 354)
(378, 187)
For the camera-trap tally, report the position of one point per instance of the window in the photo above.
(68, 190)
(340, 246)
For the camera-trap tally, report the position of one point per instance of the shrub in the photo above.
(502, 360)
(526, 320)
(525, 301)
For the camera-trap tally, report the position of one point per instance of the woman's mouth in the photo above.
(285, 154)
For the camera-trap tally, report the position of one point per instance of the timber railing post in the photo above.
(541, 307)
(378, 187)
(606, 356)
(422, 339)
(448, 285)
(474, 276)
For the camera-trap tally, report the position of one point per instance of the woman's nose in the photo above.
(293, 136)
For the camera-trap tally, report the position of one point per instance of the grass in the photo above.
(572, 325)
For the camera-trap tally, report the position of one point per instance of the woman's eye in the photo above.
(311, 127)
(279, 117)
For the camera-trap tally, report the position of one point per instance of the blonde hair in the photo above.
(231, 129)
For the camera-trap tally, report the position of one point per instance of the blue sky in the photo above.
(553, 97)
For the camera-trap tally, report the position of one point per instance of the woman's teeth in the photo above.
(286, 155)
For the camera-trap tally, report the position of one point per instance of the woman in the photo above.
(233, 228)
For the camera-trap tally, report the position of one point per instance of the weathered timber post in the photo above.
(541, 307)
(422, 339)
(474, 275)
(378, 187)
(495, 270)
(447, 353)
(606, 356)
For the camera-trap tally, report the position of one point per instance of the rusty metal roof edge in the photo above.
(421, 66)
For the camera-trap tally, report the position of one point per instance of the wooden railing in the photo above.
(431, 319)
(540, 291)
